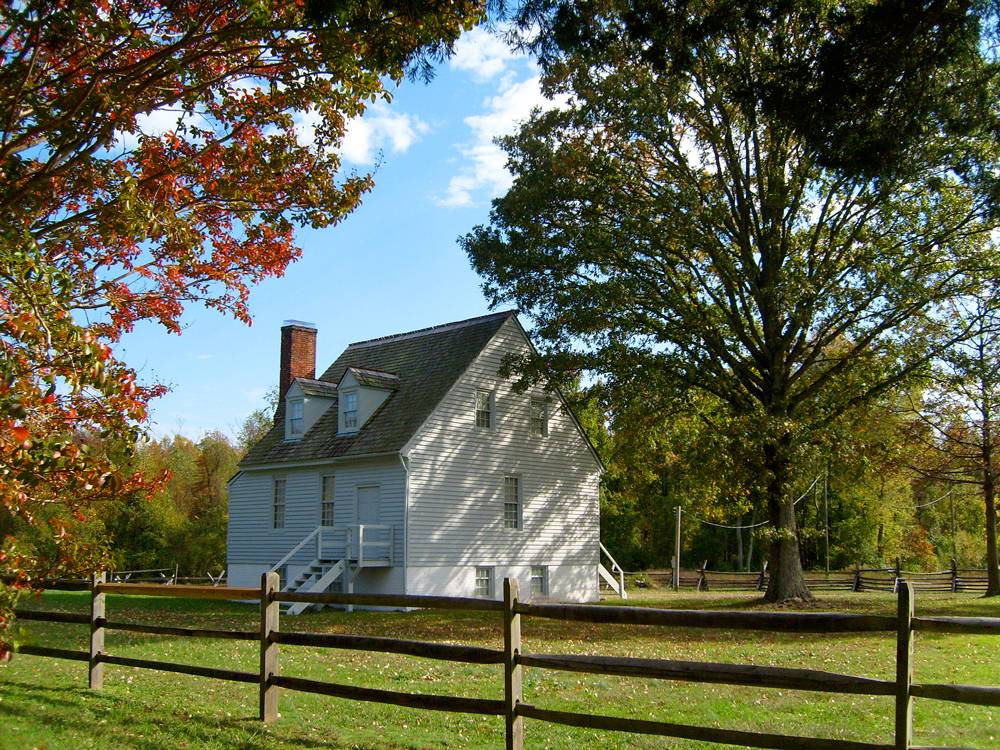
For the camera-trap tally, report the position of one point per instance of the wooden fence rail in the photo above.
(955, 579)
(514, 660)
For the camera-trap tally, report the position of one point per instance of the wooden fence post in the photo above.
(857, 576)
(96, 672)
(904, 666)
(511, 669)
(954, 575)
(269, 612)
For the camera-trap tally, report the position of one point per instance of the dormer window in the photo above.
(350, 411)
(296, 418)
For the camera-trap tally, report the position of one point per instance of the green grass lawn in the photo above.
(45, 703)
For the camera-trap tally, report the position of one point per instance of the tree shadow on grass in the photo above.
(140, 725)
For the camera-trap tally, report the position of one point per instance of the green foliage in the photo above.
(184, 523)
(885, 79)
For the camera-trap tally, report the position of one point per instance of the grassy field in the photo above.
(45, 703)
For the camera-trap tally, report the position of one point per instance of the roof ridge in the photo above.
(433, 329)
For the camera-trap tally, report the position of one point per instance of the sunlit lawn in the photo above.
(45, 703)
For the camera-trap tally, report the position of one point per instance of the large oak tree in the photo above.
(666, 226)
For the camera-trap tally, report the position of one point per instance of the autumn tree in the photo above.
(154, 155)
(664, 221)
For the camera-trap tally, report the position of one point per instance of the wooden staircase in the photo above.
(614, 578)
(314, 578)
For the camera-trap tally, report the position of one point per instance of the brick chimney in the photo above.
(298, 357)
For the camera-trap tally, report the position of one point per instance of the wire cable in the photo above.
(750, 526)
(934, 502)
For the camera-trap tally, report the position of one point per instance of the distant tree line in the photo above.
(182, 524)
(889, 484)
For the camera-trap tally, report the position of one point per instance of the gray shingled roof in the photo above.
(427, 363)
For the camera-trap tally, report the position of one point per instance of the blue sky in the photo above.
(393, 265)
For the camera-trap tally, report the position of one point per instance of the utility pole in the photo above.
(954, 553)
(677, 550)
(826, 512)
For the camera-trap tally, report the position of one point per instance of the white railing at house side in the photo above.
(358, 533)
(316, 534)
(619, 585)
(356, 546)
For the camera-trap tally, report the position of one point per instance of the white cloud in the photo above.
(154, 123)
(486, 169)
(481, 53)
(305, 126)
(379, 129)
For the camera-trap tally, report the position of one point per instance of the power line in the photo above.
(933, 502)
(755, 525)
(727, 526)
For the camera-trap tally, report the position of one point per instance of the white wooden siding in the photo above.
(252, 540)
(456, 477)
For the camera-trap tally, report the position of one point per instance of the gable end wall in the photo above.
(456, 502)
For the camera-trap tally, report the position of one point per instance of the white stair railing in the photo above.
(316, 534)
(361, 546)
(618, 586)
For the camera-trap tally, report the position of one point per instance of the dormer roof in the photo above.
(418, 367)
(319, 388)
(386, 381)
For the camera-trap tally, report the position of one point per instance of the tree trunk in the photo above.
(739, 543)
(992, 565)
(785, 564)
(989, 496)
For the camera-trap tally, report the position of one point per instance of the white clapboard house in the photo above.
(411, 466)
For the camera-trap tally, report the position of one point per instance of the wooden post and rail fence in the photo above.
(954, 580)
(514, 660)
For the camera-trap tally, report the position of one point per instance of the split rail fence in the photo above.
(954, 580)
(269, 680)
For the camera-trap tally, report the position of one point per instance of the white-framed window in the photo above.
(539, 421)
(485, 403)
(484, 582)
(351, 411)
(278, 517)
(296, 412)
(512, 502)
(539, 580)
(326, 500)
